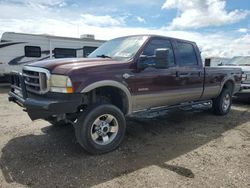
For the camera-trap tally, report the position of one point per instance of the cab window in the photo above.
(187, 55)
(155, 43)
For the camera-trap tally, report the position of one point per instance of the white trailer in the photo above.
(18, 49)
(215, 61)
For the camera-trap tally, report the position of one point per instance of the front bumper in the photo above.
(245, 89)
(43, 106)
(245, 86)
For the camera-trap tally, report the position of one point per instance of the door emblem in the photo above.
(143, 89)
(126, 75)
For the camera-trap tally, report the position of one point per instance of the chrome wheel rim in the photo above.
(226, 102)
(104, 129)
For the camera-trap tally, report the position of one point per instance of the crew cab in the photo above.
(123, 76)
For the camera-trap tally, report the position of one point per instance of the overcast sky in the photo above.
(220, 28)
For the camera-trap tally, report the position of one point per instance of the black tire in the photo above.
(219, 105)
(84, 128)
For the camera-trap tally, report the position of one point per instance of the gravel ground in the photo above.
(179, 149)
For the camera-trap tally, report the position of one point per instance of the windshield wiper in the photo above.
(104, 56)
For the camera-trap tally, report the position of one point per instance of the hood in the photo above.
(62, 66)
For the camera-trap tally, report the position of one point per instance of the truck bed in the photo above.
(215, 78)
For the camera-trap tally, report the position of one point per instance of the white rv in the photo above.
(215, 61)
(18, 49)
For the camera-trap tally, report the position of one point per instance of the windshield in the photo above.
(120, 48)
(240, 61)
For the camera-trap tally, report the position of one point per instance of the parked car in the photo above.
(242, 62)
(18, 49)
(123, 76)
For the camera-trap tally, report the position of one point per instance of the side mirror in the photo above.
(158, 60)
(161, 57)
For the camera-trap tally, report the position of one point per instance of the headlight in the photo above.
(60, 84)
(243, 77)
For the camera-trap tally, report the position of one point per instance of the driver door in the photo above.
(155, 86)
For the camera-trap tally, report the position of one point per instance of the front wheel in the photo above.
(222, 104)
(101, 128)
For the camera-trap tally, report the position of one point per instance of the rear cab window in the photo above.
(186, 54)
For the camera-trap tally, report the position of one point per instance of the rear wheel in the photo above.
(222, 104)
(101, 128)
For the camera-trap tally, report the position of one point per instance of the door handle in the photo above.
(196, 74)
(177, 74)
(127, 75)
(182, 74)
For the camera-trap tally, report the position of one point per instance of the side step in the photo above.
(163, 109)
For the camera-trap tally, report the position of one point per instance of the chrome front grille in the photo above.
(36, 79)
(248, 78)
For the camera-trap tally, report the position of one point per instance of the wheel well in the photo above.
(110, 94)
(229, 85)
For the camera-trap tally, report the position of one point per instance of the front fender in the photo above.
(111, 83)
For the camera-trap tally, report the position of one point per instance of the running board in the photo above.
(182, 106)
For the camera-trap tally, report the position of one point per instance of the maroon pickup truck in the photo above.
(123, 76)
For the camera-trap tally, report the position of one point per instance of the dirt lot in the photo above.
(180, 149)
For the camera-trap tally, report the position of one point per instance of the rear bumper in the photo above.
(44, 106)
